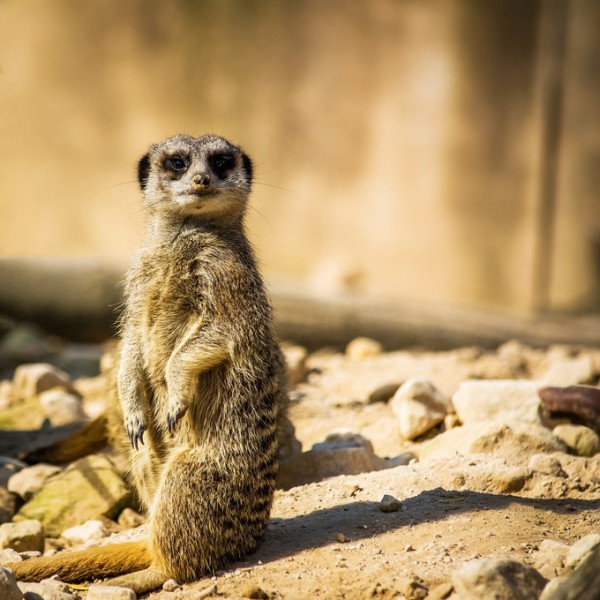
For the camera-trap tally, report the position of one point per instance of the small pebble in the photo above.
(170, 585)
(341, 538)
(389, 504)
(253, 591)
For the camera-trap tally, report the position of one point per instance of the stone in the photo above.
(512, 402)
(498, 578)
(8, 585)
(343, 439)
(295, 360)
(32, 379)
(550, 553)
(28, 481)
(23, 536)
(49, 589)
(440, 591)
(581, 440)
(419, 407)
(7, 505)
(565, 370)
(62, 407)
(363, 347)
(315, 465)
(130, 518)
(383, 393)
(581, 548)
(389, 504)
(110, 592)
(87, 489)
(170, 585)
(255, 592)
(8, 555)
(90, 530)
(491, 438)
(546, 464)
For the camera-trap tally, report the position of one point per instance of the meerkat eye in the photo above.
(176, 163)
(222, 163)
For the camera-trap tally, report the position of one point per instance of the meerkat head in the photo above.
(205, 177)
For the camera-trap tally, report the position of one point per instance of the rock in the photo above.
(412, 588)
(7, 505)
(90, 530)
(440, 591)
(62, 407)
(389, 504)
(546, 464)
(109, 592)
(295, 359)
(491, 438)
(88, 489)
(343, 439)
(130, 518)
(566, 370)
(512, 402)
(30, 380)
(580, 549)
(8, 585)
(327, 461)
(170, 585)
(253, 591)
(27, 482)
(419, 407)
(550, 554)
(23, 536)
(363, 347)
(502, 579)
(49, 589)
(383, 393)
(581, 440)
(8, 555)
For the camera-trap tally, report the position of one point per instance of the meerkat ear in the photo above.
(247, 166)
(143, 170)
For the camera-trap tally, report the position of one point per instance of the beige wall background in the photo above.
(436, 151)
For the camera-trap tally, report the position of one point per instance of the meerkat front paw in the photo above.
(135, 425)
(175, 413)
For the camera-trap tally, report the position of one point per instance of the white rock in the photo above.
(27, 482)
(513, 402)
(90, 530)
(110, 592)
(47, 590)
(8, 555)
(569, 371)
(8, 585)
(501, 579)
(33, 379)
(581, 548)
(22, 536)
(363, 347)
(419, 407)
(62, 407)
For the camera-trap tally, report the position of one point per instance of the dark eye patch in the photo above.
(176, 163)
(221, 164)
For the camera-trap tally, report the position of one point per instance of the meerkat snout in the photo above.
(200, 181)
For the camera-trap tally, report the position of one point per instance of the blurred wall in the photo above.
(441, 151)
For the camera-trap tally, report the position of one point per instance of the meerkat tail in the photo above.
(71, 567)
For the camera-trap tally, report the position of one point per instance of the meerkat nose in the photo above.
(201, 181)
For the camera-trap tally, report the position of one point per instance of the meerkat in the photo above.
(199, 378)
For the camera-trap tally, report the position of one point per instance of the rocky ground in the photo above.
(422, 475)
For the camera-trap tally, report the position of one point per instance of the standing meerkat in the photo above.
(200, 376)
